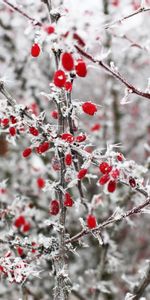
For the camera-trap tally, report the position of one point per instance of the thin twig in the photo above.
(20, 11)
(119, 21)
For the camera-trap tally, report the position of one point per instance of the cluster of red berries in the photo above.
(55, 205)
(68, 64)
(40, 149)
(7, 122)
(22, 224)
(110, 176)
(20, 250)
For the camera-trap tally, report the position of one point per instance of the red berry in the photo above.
(82, 173)
(43, 147)
(68, 159)
(89, 108)
(27, 152)
(68, 200)
(67, 61)
(13, 119)
(59, 78)
(104, 179)
(112, 186)
(35, 50)
(68, 137)
(50, 29)
(5, 122)
(115, 2)
(132, 182)
(81, 68)
(26, 227)
(54, 114)
(81, 138)
(34, 131)
(95, 127)
(20, 251)
(105, 167)
(91, 221)
(12, 131)
(19, 221)
(54, 207)
(68, 86)
(120, 157)
(40, 183)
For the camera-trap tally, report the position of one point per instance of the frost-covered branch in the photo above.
(132, 89)
(112, 219)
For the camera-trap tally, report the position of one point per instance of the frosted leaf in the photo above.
(72, 183)
(74, 251)
(3, 106)
(82, 222)
(41, 117)
(125, 99)
(86, 164)
(91, 176)
(117, 214)
(3, 184)
(113, 67)
(104, 287)
(99, 237)
(128, 280)
(129, 296)
(148, 86)
(11, 140)
(103, 55)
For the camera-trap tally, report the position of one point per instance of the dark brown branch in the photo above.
(114, 73)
